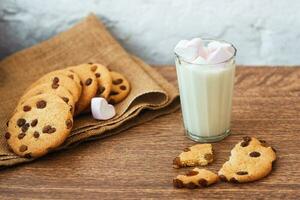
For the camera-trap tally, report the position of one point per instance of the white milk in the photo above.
(206, 98)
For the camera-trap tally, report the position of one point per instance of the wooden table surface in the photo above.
(138, 162)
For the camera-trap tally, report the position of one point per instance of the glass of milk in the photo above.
(206, 87)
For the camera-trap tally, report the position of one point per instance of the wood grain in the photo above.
(137, 163)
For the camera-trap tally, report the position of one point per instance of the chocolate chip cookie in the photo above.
(120, 88)
(103, 78)
(60, 91)
(43, 123)
(59, 79)
(89, 86)
(199, 154)
(195, 178)
(250, 160)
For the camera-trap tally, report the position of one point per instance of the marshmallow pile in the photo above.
(194, 51)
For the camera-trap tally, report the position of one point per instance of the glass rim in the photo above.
(210, 40)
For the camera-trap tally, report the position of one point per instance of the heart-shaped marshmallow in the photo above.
(101, 110)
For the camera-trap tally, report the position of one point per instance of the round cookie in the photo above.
(103, 78)
(120, 88)
(60, 91)
(71, 75)
(57, 79)
(89, 86)
(43, 124)
(250, 160)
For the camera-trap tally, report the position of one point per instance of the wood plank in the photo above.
(137, 163)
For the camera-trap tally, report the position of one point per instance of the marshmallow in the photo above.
(214, 45)
(219, 55)
(198, 43)
(200, 60)
(101, 110)
(189, 53)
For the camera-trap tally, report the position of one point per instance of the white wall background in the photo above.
(264, 31)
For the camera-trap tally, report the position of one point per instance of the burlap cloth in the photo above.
(88, 41)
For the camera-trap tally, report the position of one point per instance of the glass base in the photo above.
(198, 138)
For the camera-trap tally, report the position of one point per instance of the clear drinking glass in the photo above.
(206, 97)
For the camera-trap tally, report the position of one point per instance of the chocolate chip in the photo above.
(25, 127)
(26, 108)
(247, 139)
(208, 156)
(100, 90)
(28, 155)
(7, 135)
(41, 104)
(244, 144)
(69, 123)
(123, 87)
(21, 122)
(34, 122)
(178, 183)
(55, 86)
(88, 81)
(97, 75)
(112, 93)
(111, 101)
(52, 130)
(94, 68)
(66, 99)
(241, 173)
(191, 185)
(71, 76)
(177, 162)
(254, 154)
(262, 141)
(21, 135)
(117, 81)
(36, 134)
(223, 178)
(186, 149)
(192, 173)
(23, 148)
(55, 80)
(46, 129)
(90, 63)
(233, 180)
(203, 182)
(10, 149)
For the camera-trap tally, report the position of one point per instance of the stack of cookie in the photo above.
(43, 118)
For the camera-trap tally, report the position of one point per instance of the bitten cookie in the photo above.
(199, 154)
(250, 160)
(120, 88)
(43, 124)
(57, 79)
(60, 91)
(89, 86)
(195, 179)
(103, 78)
